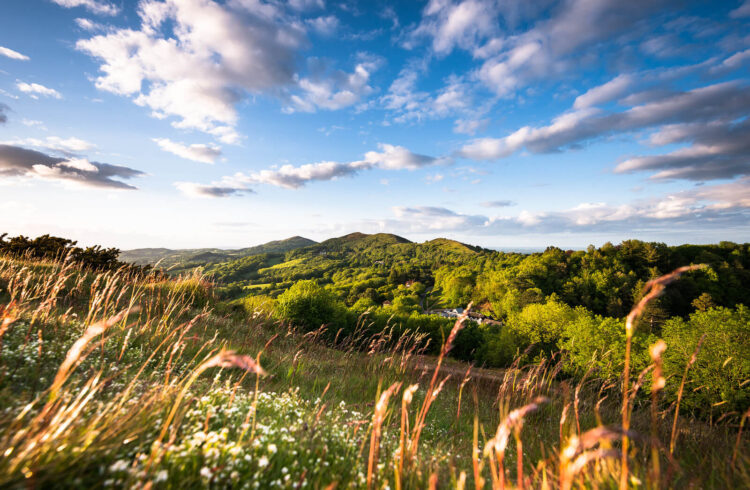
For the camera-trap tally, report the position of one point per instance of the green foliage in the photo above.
(719, 378)
(308, 305)
(56, 248)
(541, 324)
(593, 341)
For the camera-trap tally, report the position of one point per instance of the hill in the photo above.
(184, 259)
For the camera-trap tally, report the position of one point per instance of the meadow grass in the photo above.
(112, 380)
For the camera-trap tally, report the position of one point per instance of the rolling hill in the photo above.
(180, 260)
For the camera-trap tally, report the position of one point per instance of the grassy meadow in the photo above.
(127, 380)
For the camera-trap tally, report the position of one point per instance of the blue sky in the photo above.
(191, 123)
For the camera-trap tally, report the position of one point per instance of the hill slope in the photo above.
(180, 260)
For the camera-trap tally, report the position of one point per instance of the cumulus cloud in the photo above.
(333, 91)
(95, 6)
(389, 157)
(408, 103)
(196, 152)
(21, 162)
(36, 89)
(325, 25)
(195, 60)
(14, 55)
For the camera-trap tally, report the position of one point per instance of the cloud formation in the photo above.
(196, 152)
(33, 90)
(333, 91)
(4, 109)
(95, 6)
(21, 162)
(703, 116)
(389, 157)
(67, 146)
(192, 189)
(196, 59)
(705, 207)
(14, 55)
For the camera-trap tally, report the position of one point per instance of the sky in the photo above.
(501, 123)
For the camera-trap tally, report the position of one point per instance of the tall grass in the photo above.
(114, 380)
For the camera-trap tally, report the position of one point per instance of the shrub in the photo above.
(308, 305)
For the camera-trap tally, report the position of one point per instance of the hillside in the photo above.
(184, 259)
(145, 382)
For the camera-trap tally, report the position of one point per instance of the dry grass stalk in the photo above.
(580, 451)
(377, 421)
(495, 447)
(693, 359)
(433, 391)
(75, 353)
(652, 290)
(657, 384)
(223, 359)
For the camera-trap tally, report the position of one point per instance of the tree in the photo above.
(703, 302)
(308, 305)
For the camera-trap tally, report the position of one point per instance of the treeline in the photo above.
(49, 247)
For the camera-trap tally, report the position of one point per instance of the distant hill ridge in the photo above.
(188, 258)
(199, 256)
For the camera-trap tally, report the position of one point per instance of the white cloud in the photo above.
(469, 126)
(88, 24)
(325, 25)
(196, 59)
(455, 97)
(14, 55)
(554, 45)
(56, 144)
(389, 157)
(707, 207)
(196, 152)
(333, 92)
(455, 24)
(33, 123)
(307, 4)
(35, 89)
(604, 93)
(95, 6)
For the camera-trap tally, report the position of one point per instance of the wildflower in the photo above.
(161, 476)
(118, 466)
(263, 462)
(206, 472)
